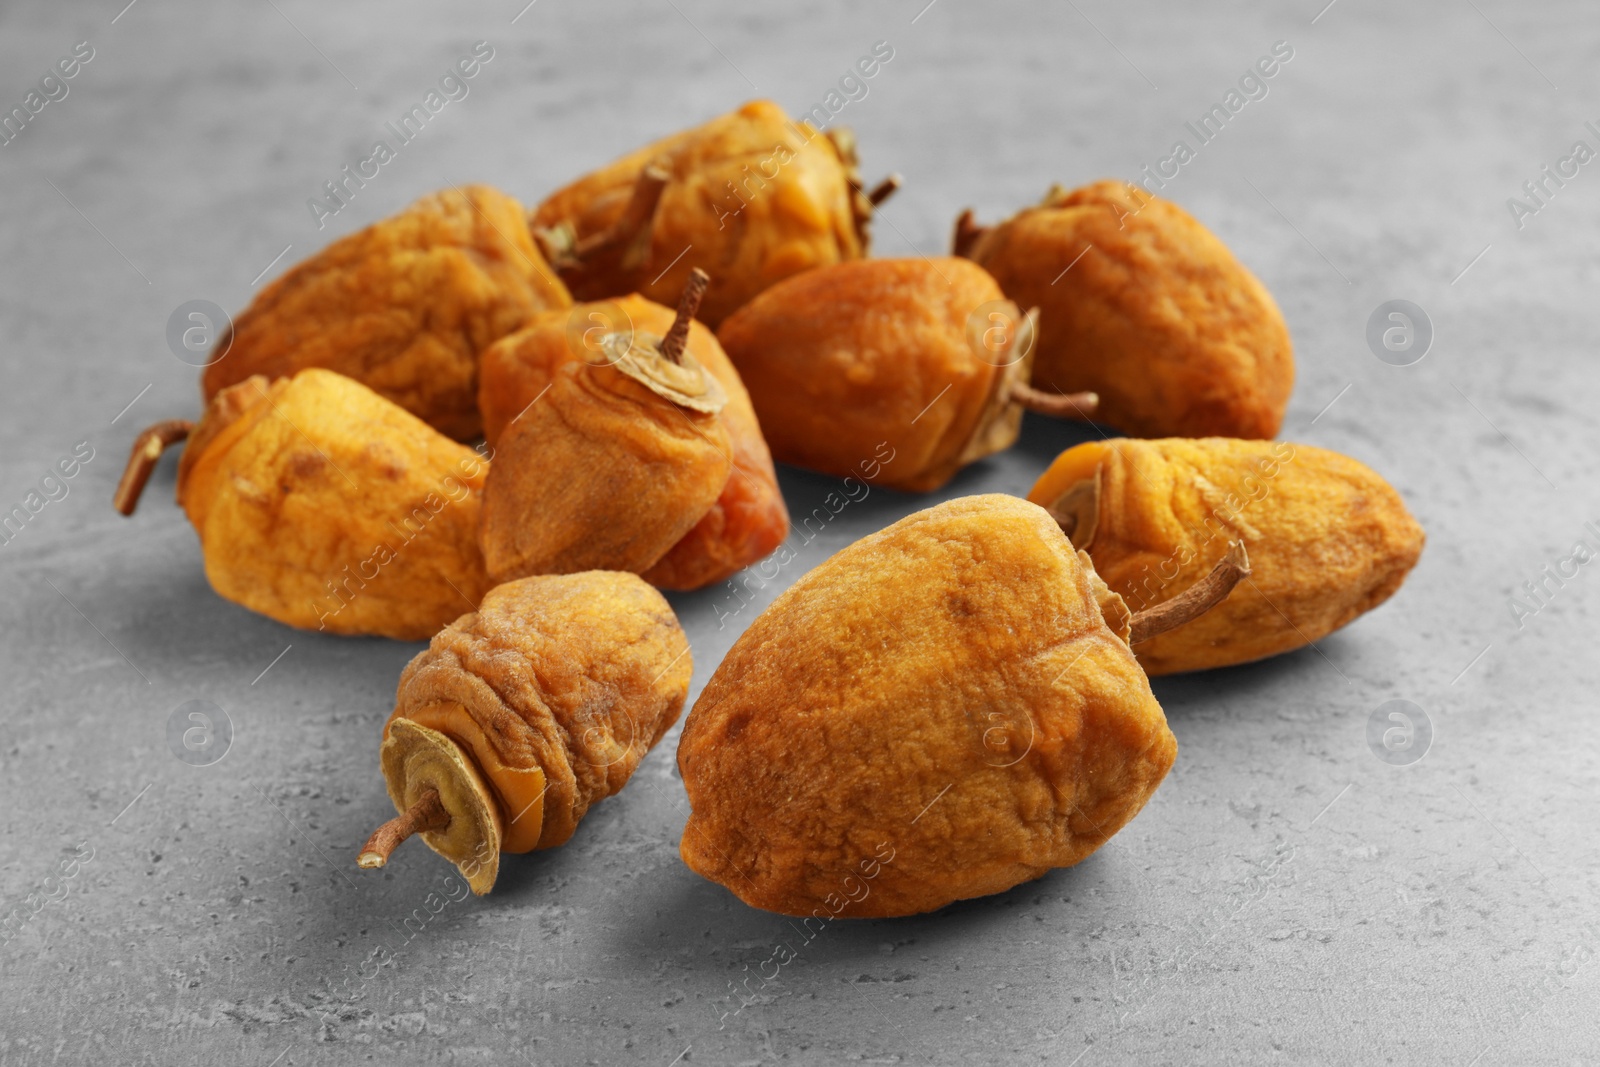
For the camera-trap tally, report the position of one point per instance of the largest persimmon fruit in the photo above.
(940, 711)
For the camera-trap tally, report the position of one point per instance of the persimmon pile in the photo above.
(945, 709)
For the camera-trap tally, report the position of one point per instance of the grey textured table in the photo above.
(1286, 896)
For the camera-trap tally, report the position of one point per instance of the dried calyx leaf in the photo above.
(1115, 610)
(1017, 355)
(862, 201)
(437, 789)
(1010, 394)
(1077, 511)
(1001, 418)
(967, 234)
(663, 364)
(142, 460)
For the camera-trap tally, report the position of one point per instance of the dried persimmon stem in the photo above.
(885, 189)
(966, 235)
(427, 813)
(143, 457)
(1196, 600)
(678, 337)
(1056, 405)
(635, 218)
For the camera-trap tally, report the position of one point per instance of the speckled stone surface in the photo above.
(1286, 897)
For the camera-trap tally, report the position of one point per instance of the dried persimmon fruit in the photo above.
(405, 306)
(614, 464)
(322, 505)
(747, 522)
(751, 196)
(943, 710)
(522, 715)
(920, 364)
(1328, 538)
(1143, 305)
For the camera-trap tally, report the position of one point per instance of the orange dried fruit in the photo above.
(942, 710)
(615, 463)
(751, 196)
(1142, 305)
(926, 358)
(746, 523)
(322, 505)
(405, 306)
(521, 716)
(1328, 538)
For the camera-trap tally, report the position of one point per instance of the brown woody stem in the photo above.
(428, 813)
(142, 460)
(1056, 405)
(885, 189)
(966, 235)
(1196, 600)
(635, 218)
(677, 338)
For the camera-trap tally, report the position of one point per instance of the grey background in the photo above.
(1286, 896)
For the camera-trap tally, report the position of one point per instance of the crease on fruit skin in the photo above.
(526, 686)
(1146, 307)
(599, 437)
(843, 711)
(405, 306)
(1327, 537)
(303, 491)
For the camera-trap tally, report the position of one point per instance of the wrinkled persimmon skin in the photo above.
(944, 693)
(797, 209)
(840, 360)
(1328, 539)
(569, 678)
(405, 306)
(600, 474)
(1176, 336)
(748, 521)
(322, 505)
